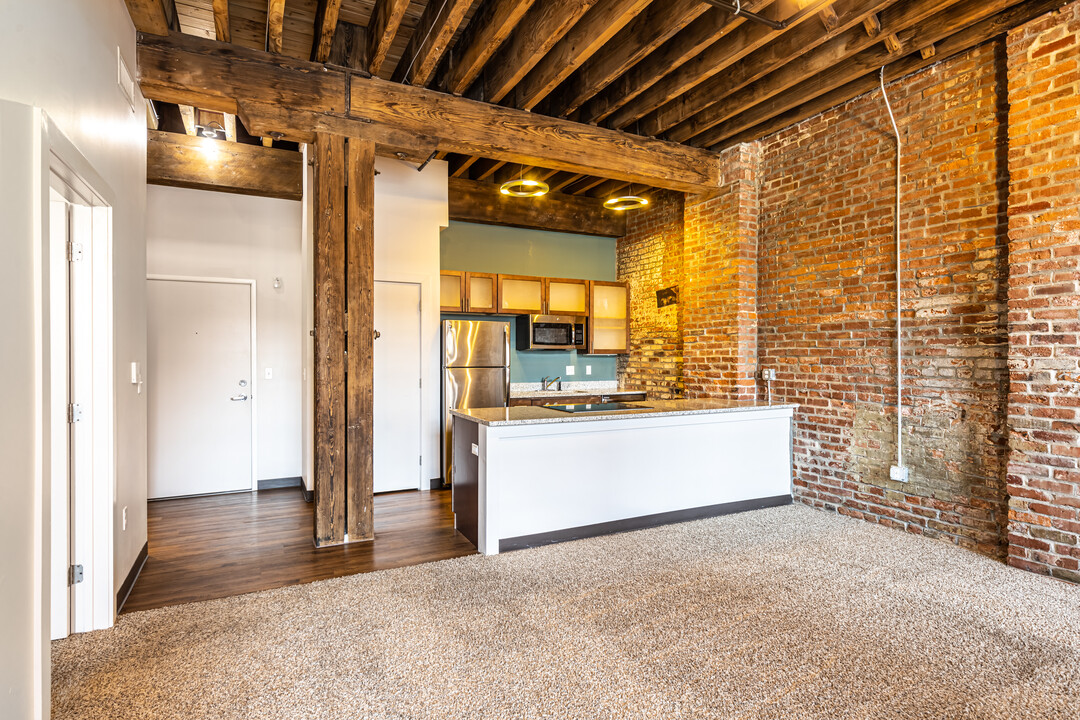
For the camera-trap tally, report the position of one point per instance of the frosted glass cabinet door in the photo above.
(451, 291)
(521, 295)
(481, 291)
(609, 321)
(567, 297)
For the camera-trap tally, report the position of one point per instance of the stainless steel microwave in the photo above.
(551, 332)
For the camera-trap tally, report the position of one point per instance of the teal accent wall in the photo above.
(517, 251)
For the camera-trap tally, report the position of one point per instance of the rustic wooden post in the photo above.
(330, 383)
(360, 251)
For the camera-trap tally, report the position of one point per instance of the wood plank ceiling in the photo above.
(690, 71)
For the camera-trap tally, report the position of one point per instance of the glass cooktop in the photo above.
(597, 407)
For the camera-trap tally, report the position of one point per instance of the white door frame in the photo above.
(94, 605)
(419, 349)
(253, 396)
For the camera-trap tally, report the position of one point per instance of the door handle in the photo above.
(238, 398)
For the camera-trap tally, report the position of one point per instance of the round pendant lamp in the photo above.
(524, 188)
(626, 202)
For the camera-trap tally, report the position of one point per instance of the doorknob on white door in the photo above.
(238, 398)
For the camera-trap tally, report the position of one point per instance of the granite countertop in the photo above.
(533, 415)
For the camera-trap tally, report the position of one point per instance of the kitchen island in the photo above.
(526, 476)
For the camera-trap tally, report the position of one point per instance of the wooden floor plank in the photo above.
(224, 545)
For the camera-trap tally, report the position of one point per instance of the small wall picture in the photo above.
(667, 296)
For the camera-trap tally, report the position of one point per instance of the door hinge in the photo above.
(74, 413)
(75, 574)
(74, 251)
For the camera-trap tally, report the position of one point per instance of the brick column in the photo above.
(1044, 294)
(720, 290)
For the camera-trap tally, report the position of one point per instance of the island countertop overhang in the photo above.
(533, 415)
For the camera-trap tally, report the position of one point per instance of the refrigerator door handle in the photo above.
(506, 340)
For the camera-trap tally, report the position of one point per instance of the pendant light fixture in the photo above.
(523, 187)
(629, 201)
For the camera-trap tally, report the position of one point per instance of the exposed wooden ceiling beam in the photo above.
(230, 127)
(148, 16)
(714, 61)
(459, 166)
(608, 189)
(382, 29)
(543, 25)
(959, 42)
(183, 161)
(584, 185)
(649, 30)
(326, 22)
(299, 98)
(562, 180)
(904, 20)
(221, 21)
(275, 24)
(187, 114)
(489, 27)
(472, 201)
(153, 120)
(430, 40)
(579, 44)
(349, 48)
(784, 50)
(486, 168)
(691, 40)
(872, 24)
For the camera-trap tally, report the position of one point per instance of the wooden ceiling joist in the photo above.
(349, 48)
(542, 27)
(148, 16)
(740, 42)
(459, 166)
(648, 31)
(275, 24)
(580, 43)
(221, 21)
(298, 98)
(785, 50)
(480, 202)
(684, 45)
(187, 114)
(430, 40)
(486, 168)
(959, 42)
(326, 23)
(911, 33)
(382, 29)
(489, 27)
(204, 164)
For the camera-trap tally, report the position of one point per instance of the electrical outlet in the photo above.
(124, 516)
(898, 473)
(588, 369)
(569, 370)
(269, 374)
(768, 374)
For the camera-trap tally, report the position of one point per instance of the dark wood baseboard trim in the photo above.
(132, 576)
(285, 482)
(640, 523)
(309, 495)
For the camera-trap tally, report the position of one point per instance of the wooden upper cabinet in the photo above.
(609, 319)
(521, 295)
(451, 291)
(566, 297)
(481, 292)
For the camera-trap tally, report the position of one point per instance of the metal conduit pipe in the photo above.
(735, 8)
(898, 471)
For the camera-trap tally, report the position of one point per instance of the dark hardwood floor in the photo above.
(223, 545)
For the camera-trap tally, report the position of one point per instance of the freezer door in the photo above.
(476, 343)
(465, 388)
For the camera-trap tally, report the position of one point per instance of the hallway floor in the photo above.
(224, 545)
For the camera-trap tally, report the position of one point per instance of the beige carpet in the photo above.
(783, 613)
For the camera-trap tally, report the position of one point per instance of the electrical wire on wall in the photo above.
(898, 471)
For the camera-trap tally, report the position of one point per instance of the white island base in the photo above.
(527, 476)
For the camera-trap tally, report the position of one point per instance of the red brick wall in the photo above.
(826, 309)
(1044, 294)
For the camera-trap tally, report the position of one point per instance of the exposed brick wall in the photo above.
(827, 301)
(1044, 294)
(720, 287)
(650, 258)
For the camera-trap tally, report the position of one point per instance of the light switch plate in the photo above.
(569, 370)
(588, 369)
(269, 374)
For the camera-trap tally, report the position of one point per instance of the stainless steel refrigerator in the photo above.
(476, 372)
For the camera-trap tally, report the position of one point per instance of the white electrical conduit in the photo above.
(899, 320)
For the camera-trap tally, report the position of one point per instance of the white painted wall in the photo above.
(410, 212)
(213, 234)
(61, 56)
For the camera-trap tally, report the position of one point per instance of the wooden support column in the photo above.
(360, 252)
(330, 383)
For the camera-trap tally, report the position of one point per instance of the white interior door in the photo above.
(397, 406)
(200, 391)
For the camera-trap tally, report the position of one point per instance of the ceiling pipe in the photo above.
(735, 8)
